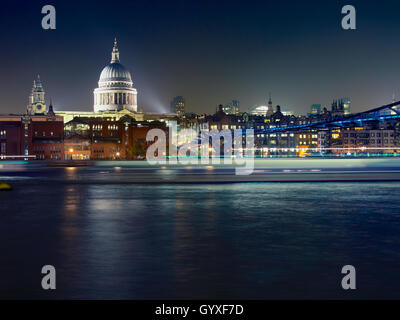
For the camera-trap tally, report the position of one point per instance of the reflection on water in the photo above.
(72, 201)
(257, 240)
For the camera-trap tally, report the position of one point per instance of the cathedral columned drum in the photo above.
(115, 91)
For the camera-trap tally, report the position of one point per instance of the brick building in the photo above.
(33, 136)
(107, 138)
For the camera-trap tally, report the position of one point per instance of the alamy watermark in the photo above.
(205, 147)
(49, 280)
(49, 20)
(349, 280)
(349, 20)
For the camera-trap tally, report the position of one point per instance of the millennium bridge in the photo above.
(345, 120)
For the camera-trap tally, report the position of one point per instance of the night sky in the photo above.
(210, 52)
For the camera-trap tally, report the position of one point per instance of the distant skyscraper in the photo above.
(315, 109)
(232, 107)
(337, 109)
(37, 104)
(346, 105)
(341, 106)
(178, 105)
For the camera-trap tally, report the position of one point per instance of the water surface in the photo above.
(189, 241)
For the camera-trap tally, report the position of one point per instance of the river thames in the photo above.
(259, 240)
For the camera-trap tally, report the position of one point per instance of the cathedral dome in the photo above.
(115, 91)
(115, 72)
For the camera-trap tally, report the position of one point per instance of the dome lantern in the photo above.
(115, 52)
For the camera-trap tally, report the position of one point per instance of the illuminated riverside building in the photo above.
(38, 136)
(222, 121)
(115, 96)
(363, 140)
(115, 91)
(308, 139)
(107, 139)
(282, 143)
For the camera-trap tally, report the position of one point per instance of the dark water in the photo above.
(248, 241)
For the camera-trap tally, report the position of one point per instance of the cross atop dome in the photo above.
(115, 52)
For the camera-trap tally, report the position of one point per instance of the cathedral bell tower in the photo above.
(37, 104)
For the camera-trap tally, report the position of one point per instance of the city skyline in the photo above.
(301, 66)
(196, 158)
